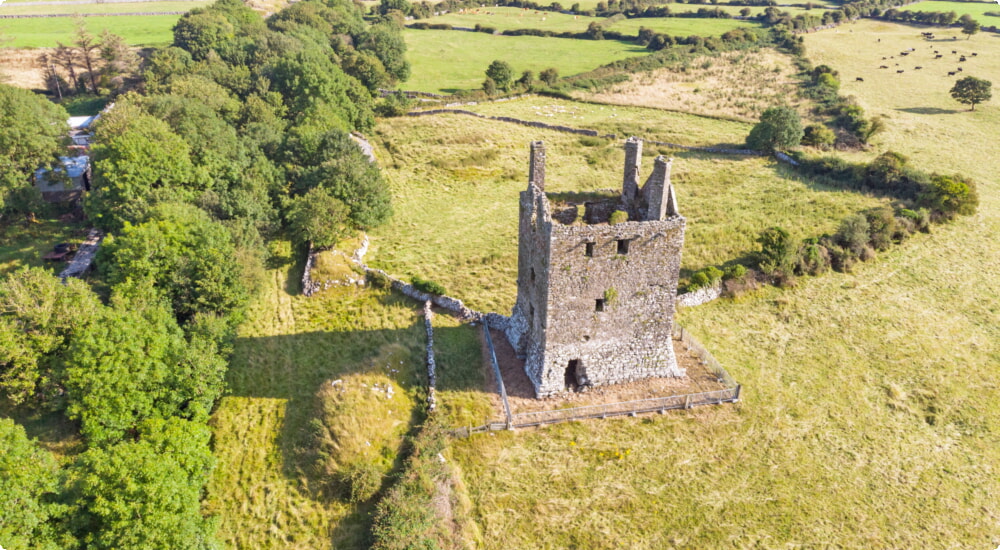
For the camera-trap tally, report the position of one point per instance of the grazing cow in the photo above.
(904, 53)
(917, 68)
(974, 54)
(883, 67)
(859, 79)
(953, 51)
(952, 73)
(938, 56)
(935, 51)
(959, 69)
(899, 71)
(961, 59)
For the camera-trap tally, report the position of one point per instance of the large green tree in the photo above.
(138, 162)
(501, 73)
(318, 217)
(33, 133)
(779, 128)
(183, 254)
(971, 90)
(144, 493)
(39, 317)
(28, 480)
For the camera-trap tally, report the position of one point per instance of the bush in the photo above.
(617, 217)
(921, 218)
(430, 287)
(378, 280)
(777, 252)
(951, 195)
(735, 271)
(882, 227)
(819, 136)
(698, 280)
(853, 233)
(813, 258)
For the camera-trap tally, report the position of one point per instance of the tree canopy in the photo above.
(971, 90)
(28, 475)
(779, 128)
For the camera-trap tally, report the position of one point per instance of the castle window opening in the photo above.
(623, 246)
(532, 275)
(600, 305)
(589, 250)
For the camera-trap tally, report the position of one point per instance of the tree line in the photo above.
(237, 133)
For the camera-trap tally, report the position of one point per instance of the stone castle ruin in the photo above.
(596, 292)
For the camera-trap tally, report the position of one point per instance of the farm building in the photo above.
(67, 182)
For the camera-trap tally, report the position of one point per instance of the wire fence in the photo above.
(496, 373)
(730, 393)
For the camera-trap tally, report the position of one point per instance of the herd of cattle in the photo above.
(937, 55)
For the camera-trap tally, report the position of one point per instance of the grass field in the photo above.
(865, 419)
(138, 30)
(456, 182)
(680, 26)
(739, 84)
(448, 61)
(975, 9)
(262, 489)
(126, 7)
(506, 18)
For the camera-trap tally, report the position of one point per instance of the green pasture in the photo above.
(679, 26)
(22, 244)
(975, 9)
(45, 32)
(126, 7)
(508, 18)
(456, 181)
(864, 420)
(448, 61)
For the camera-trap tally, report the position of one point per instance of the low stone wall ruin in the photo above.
(700, 296)
(531, 123)
(431, 364)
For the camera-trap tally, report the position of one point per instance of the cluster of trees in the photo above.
(242, 134)
(104, 65)
(943, 19)
(849, 126)
(500, 76)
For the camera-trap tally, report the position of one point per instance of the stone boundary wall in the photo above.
(533, 124)
(723, 150)
(431, 364)
(91, 14)
(363, 144)
(700, 296)
(83, 2)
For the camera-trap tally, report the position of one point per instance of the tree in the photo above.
(87, 48)
(144, 493)
(386, 42)
(745, 12)
(183, 254)
(42, 316)
(120, 62)
(318, 217)
(779, 128)
(200, 32)
(969, 26)
(490, 87)
(971, 90)
(32, 135)
(527, 80)
(777, 252)
(28, 477)
(853, 233)
(549, 76)
(138, 162)
(501, 73)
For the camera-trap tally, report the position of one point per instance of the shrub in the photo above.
(735, 271)
(813, 258)
(489, 87)
(698, 280)
(842, 259)
(378, 280)
(777, 252)
(610, 296)
(853, 233)
(819, 136)
(430, 287)
(882, 227)
(921, 218)
(951, 195)
(617, 217)
(549, 76)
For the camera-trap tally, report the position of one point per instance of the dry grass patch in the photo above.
(735, 84)
(19, 67)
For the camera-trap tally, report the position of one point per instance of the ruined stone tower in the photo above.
(596, 299)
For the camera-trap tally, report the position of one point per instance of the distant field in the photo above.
(448, 61)
(680, 26)
(975, 9)
(125, 7)
(505, 18)
(138, 30)
(456, 181)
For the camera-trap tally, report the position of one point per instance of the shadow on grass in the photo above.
(294, 367)
(928, 111)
